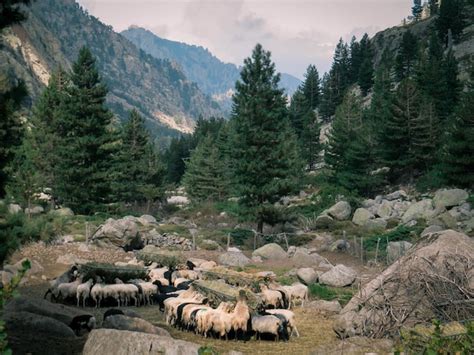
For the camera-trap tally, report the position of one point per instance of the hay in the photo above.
(218, 292)
(235, 278)
(162, 258)
(109, 272)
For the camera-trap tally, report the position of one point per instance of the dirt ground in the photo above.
(315, 328)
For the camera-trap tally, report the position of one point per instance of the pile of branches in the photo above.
(108, 273)
(420, 293)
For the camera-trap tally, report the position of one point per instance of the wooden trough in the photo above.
(108, 273)
(217, 292)
(235, 278)
(162, 257)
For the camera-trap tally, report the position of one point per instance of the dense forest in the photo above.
(405, 120)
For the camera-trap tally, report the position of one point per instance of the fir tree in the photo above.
(406, 57)
(326, 105)
(204, 178)
(11, 12)
(355, 59)
(416, 9)
(453, 86)
(434, 7)
(311, 87)
(365, 77)
(85, 154)
(266, 156)
(451, 19)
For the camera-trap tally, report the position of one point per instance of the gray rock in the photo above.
(322, 242)
(397, 195)
(375, 224)
(307, 275)
(121, 233)
(338, 276)
(368, 203)
(232, 258)
(123, 322)
(234, 249)
(257, 259)
(361, 216)
(431, 229)
(419, 210)
(34, 210)
(271, 251)
(449, 198)
(35, 268)
(444, 220)
(291, 251)
(340, 245)
(209, 244)
(63, 212)
(69, 259)
(123, 342)
(13, 208)
(397, 249)
(340, 211)
(323, 221)
(384, 210)
(146, 219)
(325, 306)
(303, 258)
(460, 214)
(469, 225)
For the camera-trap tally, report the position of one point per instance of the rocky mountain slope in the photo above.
(212, 75)
(57, 29)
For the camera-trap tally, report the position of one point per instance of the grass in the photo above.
(326, 293)
(173, 228)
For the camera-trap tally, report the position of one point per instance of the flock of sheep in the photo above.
(186, 308)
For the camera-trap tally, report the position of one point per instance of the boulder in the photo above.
(413, 288)
(460, 213)
(368, 203)
(134, 324)
(384, 210)
(356, 345)
(338, 276)
(120, 233)
(323, 221)
(307, 275)
(63, 212)
(232, 258)
(271, 251)
(449, 198)
(340, 245)
(33, 322)
(361, 216)
(397, 249)
(123, 342)
(375, 224)
(208, 244)
(419, 210)
(34, 210)
(448, 221)
(35, 268)
(431, 229)
(469, 225)
(303, 258)
(340, 211)
(13, 208)
(146, 219)
(325, 306)
(396, 195)
(322, 242)
(69, 259)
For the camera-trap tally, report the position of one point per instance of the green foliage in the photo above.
(365, 75)
(452, 17)
(7, 292)
(343, 295)
(207, 350)
(265, 157)
(11, 12)
(416, 9)
(406, 56)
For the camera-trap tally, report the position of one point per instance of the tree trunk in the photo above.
(260, 225)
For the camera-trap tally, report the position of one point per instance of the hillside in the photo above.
(212, 75)
(57, 29)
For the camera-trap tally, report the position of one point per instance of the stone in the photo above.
(396, 195)
(322, 242)
(271, 251)
(460, 214)
(34, 210)
(35, 268)
(325, 306)
(303, 258)
(419, 210)
(146, 220)
(123, 322)
(83, 247)
(361, 216)
(120, 233)
(13, 208)
(70, 259)
(340, 211)
(66, 239)
(234, 249)
(291, 251)
(384, 210)
(208, 244)
(178, 200)
(375, 224)
(232, 258)
(63, 212)
(339, 276)
(356, 345)
(124, 342)
(368, 203)
(257, 259)
(307, 275)
(340, 245)
(431, 229)
(469, 225)
(397, 249)
(449, 198)
(323, 221)
(447, 220)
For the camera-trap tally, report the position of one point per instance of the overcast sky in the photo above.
(297, 32)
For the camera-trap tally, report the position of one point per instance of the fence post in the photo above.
(355, 246)
(377, 250)
(228, 241)
(362, 249)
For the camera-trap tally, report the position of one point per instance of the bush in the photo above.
(343, 295)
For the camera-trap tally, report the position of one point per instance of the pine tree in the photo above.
(175, 156)
(85, 153)
(355, 59)
(458, 152)
(416, 10)
(452, 18)
(266, 156)
(406, 57)
(453, 86)
(434, 7)
(326, 105)
(204, 178)
(365, 77)
(11, 12)
(311, 87)
(298, 109)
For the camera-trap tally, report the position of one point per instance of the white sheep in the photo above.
(289, 316)
(83, 291)
(296, 292)
(271, 297)
(240, 316)
(266, 325)
(67, 289)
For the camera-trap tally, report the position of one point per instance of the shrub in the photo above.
(343, 295)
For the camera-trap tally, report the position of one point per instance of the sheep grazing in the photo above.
(83, 291)
(272, 298)
(66, 277)
(156, 274)
(67, 290)
(289, 317)
(84, 322)
(296, 292)
(145, 290)
(188, 274)
(219, 320)
(112, 312)
(240, 316)
(179, 280)
(269, 324)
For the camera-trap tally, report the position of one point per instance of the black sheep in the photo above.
(81, 323)
(112, 312)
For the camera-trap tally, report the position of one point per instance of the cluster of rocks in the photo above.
(14, 208)
(134, 233)
(10, 270)
(446, 209)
